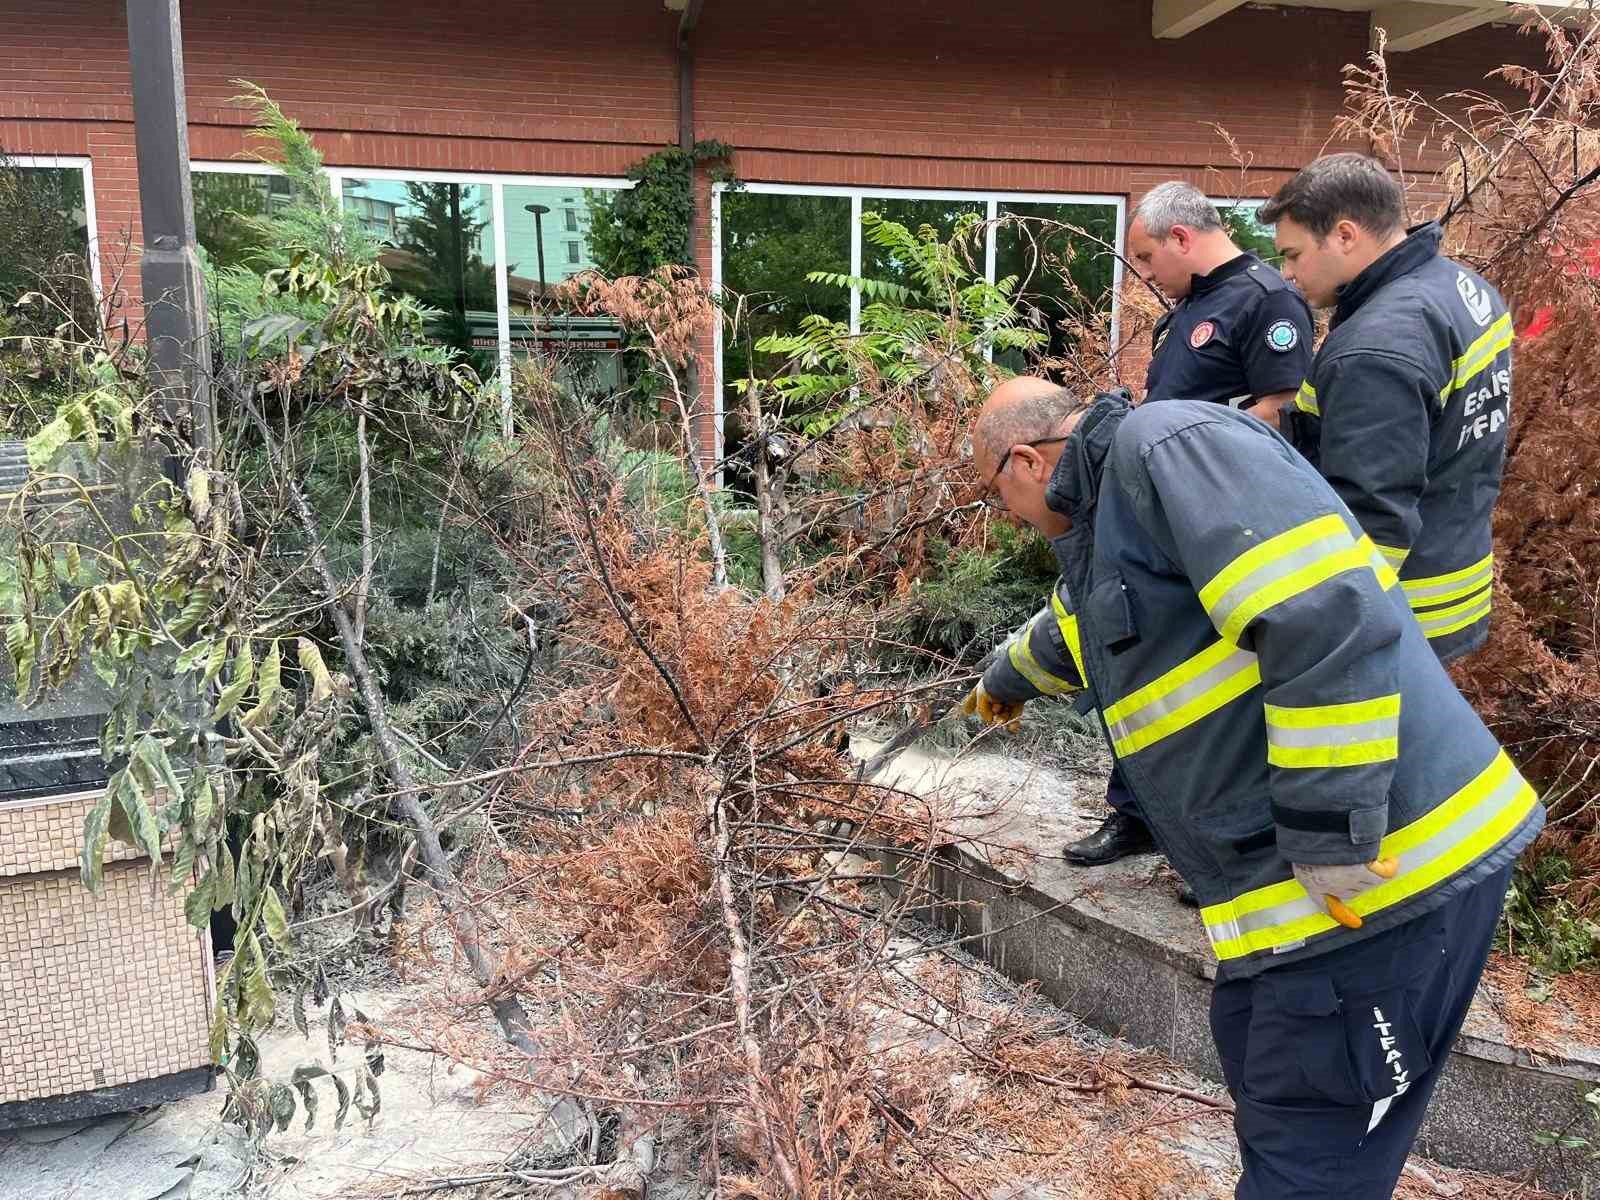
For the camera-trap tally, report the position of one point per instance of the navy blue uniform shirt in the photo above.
(1240, 334)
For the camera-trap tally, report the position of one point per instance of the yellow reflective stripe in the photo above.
(1333, 714)
(1395, 556)
(1426, 591)
(1068, 624)
(1380, 565)
(1186, 694)
(1265, 553)
(1350, 754)
(1334, 735)
(1289, 586)
(1441, 622)
(1430, 841)
(1022, 658)
(1306, 400)
(1483, 351)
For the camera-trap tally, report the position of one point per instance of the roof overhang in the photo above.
(1409, 24)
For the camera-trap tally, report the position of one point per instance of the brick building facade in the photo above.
(1018, 96)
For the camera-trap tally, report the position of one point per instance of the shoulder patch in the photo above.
(1480, 306)
(1282, 336)
(1201, 334)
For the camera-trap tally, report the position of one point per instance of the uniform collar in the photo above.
(1237, 265)
(1075, 483)
(1420, 246)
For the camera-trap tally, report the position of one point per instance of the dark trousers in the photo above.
(1119, 797)
(1331, 1063)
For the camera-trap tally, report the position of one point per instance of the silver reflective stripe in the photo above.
(1223, 606)
(1334, 735)
(1153, 711)
(1419, 593)
(1266, 918)
(1378, 1109)
(1464, 826)
(1457, 616)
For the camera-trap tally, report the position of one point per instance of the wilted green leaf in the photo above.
(340, 1087)
(197, 904)
(95, 825)
(272, 916)
(280, 1101)
(308, 1099)
(311, 663)
(259, 1003)
(269, 688)
(20, 645)
(198, 487)
(44, 446)
(183, 863)
(218, 659)
(244, 670)
(222, 1006)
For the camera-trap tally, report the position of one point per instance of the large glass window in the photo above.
(770, 236)
(939, 216)
(226, 205)
(1058, 254)
(438, 242)
(45, 243)
(769, 244)
(1243, 219)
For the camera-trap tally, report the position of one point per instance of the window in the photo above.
(1056, 252)
(227, 207)
(47, 241)
(1242, 217)
(437, 241)
(482, 250)
(768, 236)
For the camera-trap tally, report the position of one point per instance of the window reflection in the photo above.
(44, 244)
(1062, 269)
(437, 241)
(227, 207)
(547, 243)
(940, 215)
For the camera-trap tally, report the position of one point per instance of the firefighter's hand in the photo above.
(990, 711)
(1333, 887)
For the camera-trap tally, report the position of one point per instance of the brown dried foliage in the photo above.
(1521, 182)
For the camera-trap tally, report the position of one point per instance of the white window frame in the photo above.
(83, 163)
(991, 200)
(497, 182)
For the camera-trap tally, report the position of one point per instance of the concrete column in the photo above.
(176, 327)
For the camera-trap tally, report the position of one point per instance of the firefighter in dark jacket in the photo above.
(1304, 761)
(1237, 335)
(1408, 400)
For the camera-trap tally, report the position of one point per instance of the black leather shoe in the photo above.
(1117, 837)
(1186, 896)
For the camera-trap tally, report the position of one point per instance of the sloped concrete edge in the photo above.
(1492, 1100)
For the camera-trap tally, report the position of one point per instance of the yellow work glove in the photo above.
(991, 711)
(1334, 886)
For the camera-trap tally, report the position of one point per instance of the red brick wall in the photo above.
(1026, 95)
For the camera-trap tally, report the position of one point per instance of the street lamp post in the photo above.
(538, 211)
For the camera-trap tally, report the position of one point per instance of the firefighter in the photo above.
(1407, 402)
(1303, 759)
(1237, 335)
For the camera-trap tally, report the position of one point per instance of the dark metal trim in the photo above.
(75, 1106)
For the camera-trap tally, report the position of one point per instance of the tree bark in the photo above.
(767, 530)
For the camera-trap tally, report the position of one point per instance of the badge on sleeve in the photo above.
(1282, 336)
(1201, 334)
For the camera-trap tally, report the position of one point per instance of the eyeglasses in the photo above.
(991, 497)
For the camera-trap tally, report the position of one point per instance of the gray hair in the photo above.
(1176, 203)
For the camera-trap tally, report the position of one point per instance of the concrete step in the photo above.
(1113, 945)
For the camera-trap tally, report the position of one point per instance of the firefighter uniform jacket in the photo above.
(1241, 333)
(1405, 413)
(1266, 693)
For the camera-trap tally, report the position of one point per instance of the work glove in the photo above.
(990, 711)
(1333, 886)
